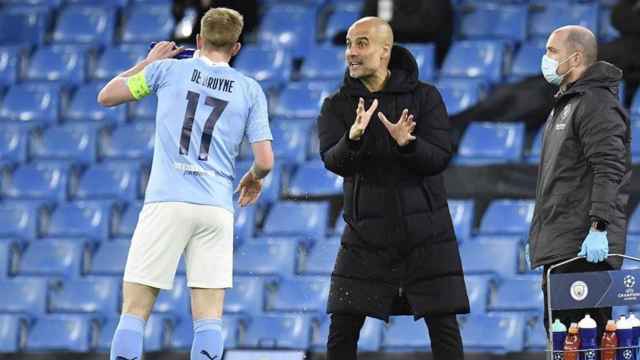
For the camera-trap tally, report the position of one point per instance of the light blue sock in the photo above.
(127, 341)
(207, 340)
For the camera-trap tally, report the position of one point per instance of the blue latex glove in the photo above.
(526, 256)
(595, 246)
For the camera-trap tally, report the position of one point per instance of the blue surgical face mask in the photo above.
(549, 69)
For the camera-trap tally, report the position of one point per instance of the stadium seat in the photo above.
(286, 26)
(81, 219)
(73, 333)
(277, 331)
(536, 336)
(494, 21)
(145, 23)
(635, 109)
(403, 333)
(526, 62)
(175, 301)
(157, 332)
(129, 141)
(475, 59)
(634, 222)
(31, 103)
(460, 94)
(28, 295)
(370, 335)
(425, 57)
(606, 31)
(246, 296)
(109, 259)
(10, 60)
(19, 219)
(76, 142)
(462, 215)
(289, 218)
(112, 62)
(290, 139)
(93, 294)
(46, 181)
(314, 144)
(85, 24)
(300, 100)
(533, 156)
(545, 18)
(65, 64)
(85, 107)
(491, 143)
(324, 63)
(266, 65)
(108, 181)
(12, 332)
(52, 258)
(478, 290)
(8, 256)
(495, 332)
(244, 223)
(338, 227)
(126, 221)
(182, 334)
(503, 256)
(518, 294)
(13, 142)
(249, 258)
(320, 259)
(311, 179)
(144, 109)
(507, 217)
(338, 22)
(300, 294)
(117, 3)
(23, 25)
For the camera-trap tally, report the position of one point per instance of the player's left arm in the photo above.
(130, 85)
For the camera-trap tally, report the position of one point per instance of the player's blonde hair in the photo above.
(221, 27)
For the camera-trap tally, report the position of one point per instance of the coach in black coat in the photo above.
(387, 134)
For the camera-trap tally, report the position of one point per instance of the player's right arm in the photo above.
(130, 85)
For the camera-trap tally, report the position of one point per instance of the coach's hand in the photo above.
(362, 119)
(163, 50)
(595, 246)
(249, 188)
(400, 131)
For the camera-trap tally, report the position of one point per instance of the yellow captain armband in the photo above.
(138, 86)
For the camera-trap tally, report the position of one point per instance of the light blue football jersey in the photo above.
(204, 112)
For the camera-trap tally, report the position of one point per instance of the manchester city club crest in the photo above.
(590, 355)
(629, 281)
(579, 290)
(627, 354)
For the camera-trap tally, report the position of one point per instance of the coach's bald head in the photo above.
(575, 48)
(369, 42)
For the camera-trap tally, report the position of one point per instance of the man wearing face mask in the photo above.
(386, 133)
(585, 166)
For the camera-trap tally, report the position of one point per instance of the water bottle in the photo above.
(184, 54)
(635, 326)
(559, 332)
(588, 338)
(609, 342)
(572, 343)
(625, 339)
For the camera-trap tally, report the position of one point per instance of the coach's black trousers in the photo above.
(446, 343)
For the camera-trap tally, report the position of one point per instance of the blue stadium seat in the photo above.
(174, 301)
(290, 139)
(462, 215)
(536, 336)
(12, 332)
(85, 24)
(118, 3)
(269, 66)
(544, 18)
(108, 181)
(490, 257)
(66, 64)
(52, 258)
(338, 227)
(635, 107)
(145, 23)
(244, 223)
(606, 31)
(7, 258)
(73, 332)
(339, 21)
(491, 143)
(287, 27)
(526, 62)
(246, 296)
(249, 258)
(634, 222)
(22, 25)
(314, 144)
(475, 59)
(288, 218)
(403, 333)
(76, 142)
(270, 186)
(478, 290)
(321, 258)
(35, 4)
(157, 332)
(19, 219)
(31, 103)
(127, 220)
(109, 259)
(277, 331)
(182, 334)
(533, 156)
(300, 100)
(425, 57)
(129, 141)
(13, 142)
(144, 109)
(92, 294)
(518, 294)
(299, 294)
(311, 179)
(494, 21)
(324, 63)
(370, 335)
(635, 134)
(10, 60)
(460, 94)
(47, 181)
(506, 332)
(81, 219)
(507, 217)
(113, 61)
(85, 107)
(28, 295)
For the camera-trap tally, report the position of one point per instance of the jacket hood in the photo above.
(599, 75)
(404, 75)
